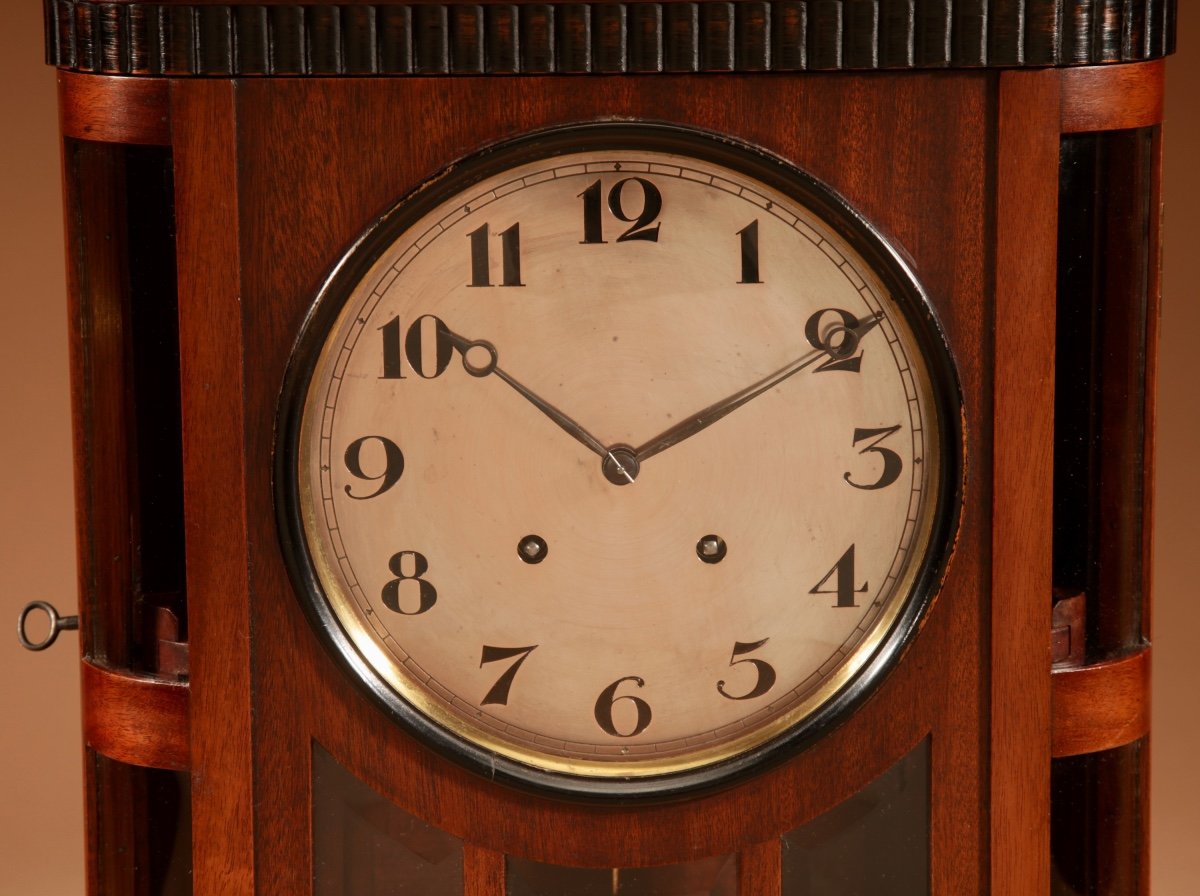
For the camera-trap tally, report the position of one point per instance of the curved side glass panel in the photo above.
(363, 845)
(874, 844)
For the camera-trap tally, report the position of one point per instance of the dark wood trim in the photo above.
(114, 110)
(211, 352)
(281, 38)
(1111, 98)
(760, 869)
(1102, 706)
(136, 719)
(1022, 480)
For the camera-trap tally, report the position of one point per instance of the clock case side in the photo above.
(899, 282)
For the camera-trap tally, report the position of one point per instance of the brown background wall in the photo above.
(41, 831)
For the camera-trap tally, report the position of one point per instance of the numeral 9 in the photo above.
(393, 466)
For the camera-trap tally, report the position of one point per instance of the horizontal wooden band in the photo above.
(136, 719)
(114, 110)
(1100, 707)
(1112, 98)
(291, 38)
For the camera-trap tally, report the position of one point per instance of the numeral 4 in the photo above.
(843, 575)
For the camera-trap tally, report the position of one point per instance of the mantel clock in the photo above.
(614, 448)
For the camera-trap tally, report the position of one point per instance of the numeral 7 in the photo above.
(499, 691)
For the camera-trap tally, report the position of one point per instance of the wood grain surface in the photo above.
(1023, 396)
(212, 363)
(136, 719)
(1102, 706)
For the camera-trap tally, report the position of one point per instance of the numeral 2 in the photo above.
(842, 356)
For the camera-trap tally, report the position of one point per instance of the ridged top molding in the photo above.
(181, 39)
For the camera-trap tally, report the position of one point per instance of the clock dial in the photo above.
(620, 455)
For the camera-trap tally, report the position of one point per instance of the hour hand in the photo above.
(480, 359)
(839, 343)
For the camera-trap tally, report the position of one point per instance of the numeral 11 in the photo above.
(510, 257)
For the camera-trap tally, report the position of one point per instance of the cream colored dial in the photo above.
(618, 462)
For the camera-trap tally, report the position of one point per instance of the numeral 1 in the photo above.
(749, 235)
(510, 257)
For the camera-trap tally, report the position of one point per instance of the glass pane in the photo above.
(874, 844)
(142, 828)
(1096, 824)
(714, 876)
(1105, 189)
(364, 845)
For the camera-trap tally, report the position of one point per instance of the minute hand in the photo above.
(711, 414)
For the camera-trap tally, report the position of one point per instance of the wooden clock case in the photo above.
(209, 193)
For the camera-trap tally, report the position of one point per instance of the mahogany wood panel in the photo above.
(1099, 98)
(1102, 706)
(483, 871)
(928, 133)
(760, 869)
(1023, 396)
(113, 110)
(211, 362)
(357, 38)
(135, 718)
